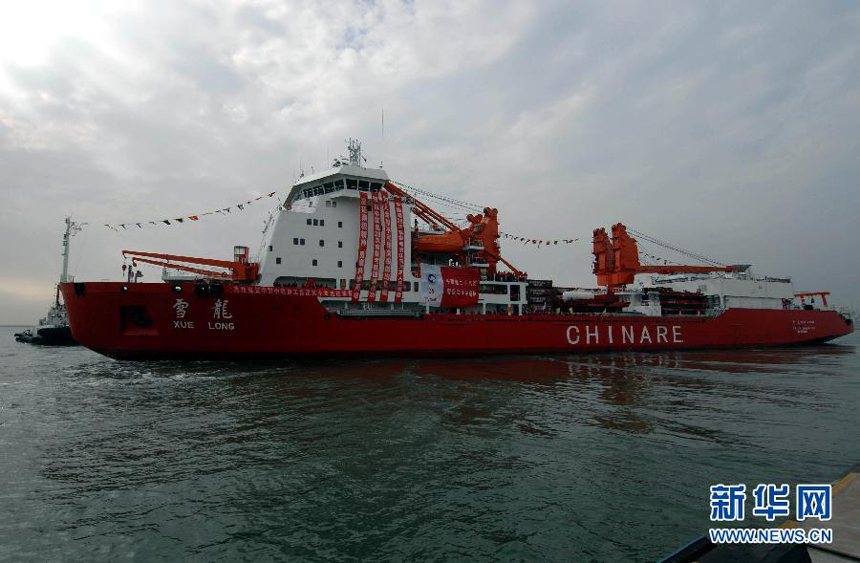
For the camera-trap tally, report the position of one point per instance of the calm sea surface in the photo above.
(540, 458)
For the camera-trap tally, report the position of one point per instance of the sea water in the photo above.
(604, 457)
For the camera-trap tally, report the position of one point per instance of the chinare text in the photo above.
(623, 334)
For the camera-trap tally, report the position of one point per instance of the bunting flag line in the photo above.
(181, 220)
(539, 242)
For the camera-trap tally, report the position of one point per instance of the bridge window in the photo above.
(351, 184)
(363, 185)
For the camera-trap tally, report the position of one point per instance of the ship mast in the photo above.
(72, 228)
(355, 156)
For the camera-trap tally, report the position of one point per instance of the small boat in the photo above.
(53, 329)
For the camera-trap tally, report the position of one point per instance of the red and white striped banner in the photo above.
(362, 246)
(386, 250)
(377, 246)
(302, 291)
(401, 253)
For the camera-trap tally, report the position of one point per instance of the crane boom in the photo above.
(483, 228)
(683, 269)
(184, 268)
(240, 268)
(616, 261)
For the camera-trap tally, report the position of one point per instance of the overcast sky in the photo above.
(731, 128)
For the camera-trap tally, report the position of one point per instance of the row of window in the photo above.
(337, 185)
(314, 262)
(321, 223)
(301, 242)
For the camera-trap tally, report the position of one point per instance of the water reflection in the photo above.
(389, 458)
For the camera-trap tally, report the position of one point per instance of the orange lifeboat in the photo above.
(449, 242)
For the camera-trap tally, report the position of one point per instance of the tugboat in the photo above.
(53, 329)
(343, 272)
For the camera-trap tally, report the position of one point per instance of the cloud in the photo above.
(728, 128)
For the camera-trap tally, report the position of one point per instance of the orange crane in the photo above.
(239, 270)
(616, 261)
(484, 230)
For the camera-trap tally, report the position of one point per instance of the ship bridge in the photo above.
(345, 175)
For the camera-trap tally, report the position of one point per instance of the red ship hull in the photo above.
(143, 321)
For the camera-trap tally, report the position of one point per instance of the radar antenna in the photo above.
(355, 156)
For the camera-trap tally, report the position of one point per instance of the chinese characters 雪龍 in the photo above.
(219, 310)
(181, 307)
(220, 316)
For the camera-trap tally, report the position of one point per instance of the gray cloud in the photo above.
(728, 128)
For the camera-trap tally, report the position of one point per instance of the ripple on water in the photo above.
(601, 457)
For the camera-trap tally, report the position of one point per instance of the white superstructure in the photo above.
(740, 289)
(314, 240)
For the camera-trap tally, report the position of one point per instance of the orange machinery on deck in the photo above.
(616, 261)
(239, 270)
(482, 232)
